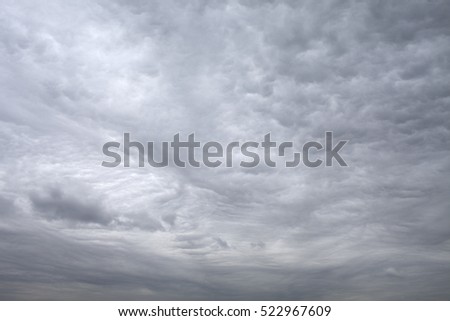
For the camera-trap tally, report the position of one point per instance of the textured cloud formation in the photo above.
(76, 74)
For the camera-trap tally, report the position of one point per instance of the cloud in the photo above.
(76, 74)
(56, 206)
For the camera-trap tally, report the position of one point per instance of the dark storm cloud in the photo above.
(56, 205)
(76, 74)
(74, 206)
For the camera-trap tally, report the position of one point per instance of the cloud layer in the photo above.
(76, 74)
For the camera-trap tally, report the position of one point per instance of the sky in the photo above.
(77, 74)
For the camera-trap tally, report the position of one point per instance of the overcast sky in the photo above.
(76, 74)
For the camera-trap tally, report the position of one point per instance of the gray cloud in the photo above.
(76, 74)
(56, 205)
